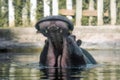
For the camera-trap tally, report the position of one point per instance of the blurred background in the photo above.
(96, 23)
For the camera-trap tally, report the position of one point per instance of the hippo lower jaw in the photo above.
(58, 54)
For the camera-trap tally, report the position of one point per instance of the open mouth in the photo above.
(54, 31)
(56, 35)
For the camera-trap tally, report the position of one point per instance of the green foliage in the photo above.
(39, 9)
(94, 21)
(20, 4)
(118, 11)
(85, 20)
(106, 19)
(85, 7)
(62, 4)
(3, 13)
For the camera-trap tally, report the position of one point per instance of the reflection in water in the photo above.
(23, 66)
(61, 74)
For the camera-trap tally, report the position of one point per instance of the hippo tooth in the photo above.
(48, 28)
(61, 30)
(57, 28)
(46, 31)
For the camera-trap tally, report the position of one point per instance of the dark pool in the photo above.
(24, 66)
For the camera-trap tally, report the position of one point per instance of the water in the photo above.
(24, 66)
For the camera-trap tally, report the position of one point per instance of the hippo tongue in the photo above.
(56, 39)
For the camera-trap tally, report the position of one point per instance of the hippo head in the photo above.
(55, 28)
(61, 49)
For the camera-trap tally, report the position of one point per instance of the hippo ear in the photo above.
(79, 42)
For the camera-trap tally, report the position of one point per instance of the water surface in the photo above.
(24, 66)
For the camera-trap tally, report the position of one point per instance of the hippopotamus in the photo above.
(61, 48)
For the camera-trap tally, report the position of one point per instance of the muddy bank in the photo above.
(93, 37)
